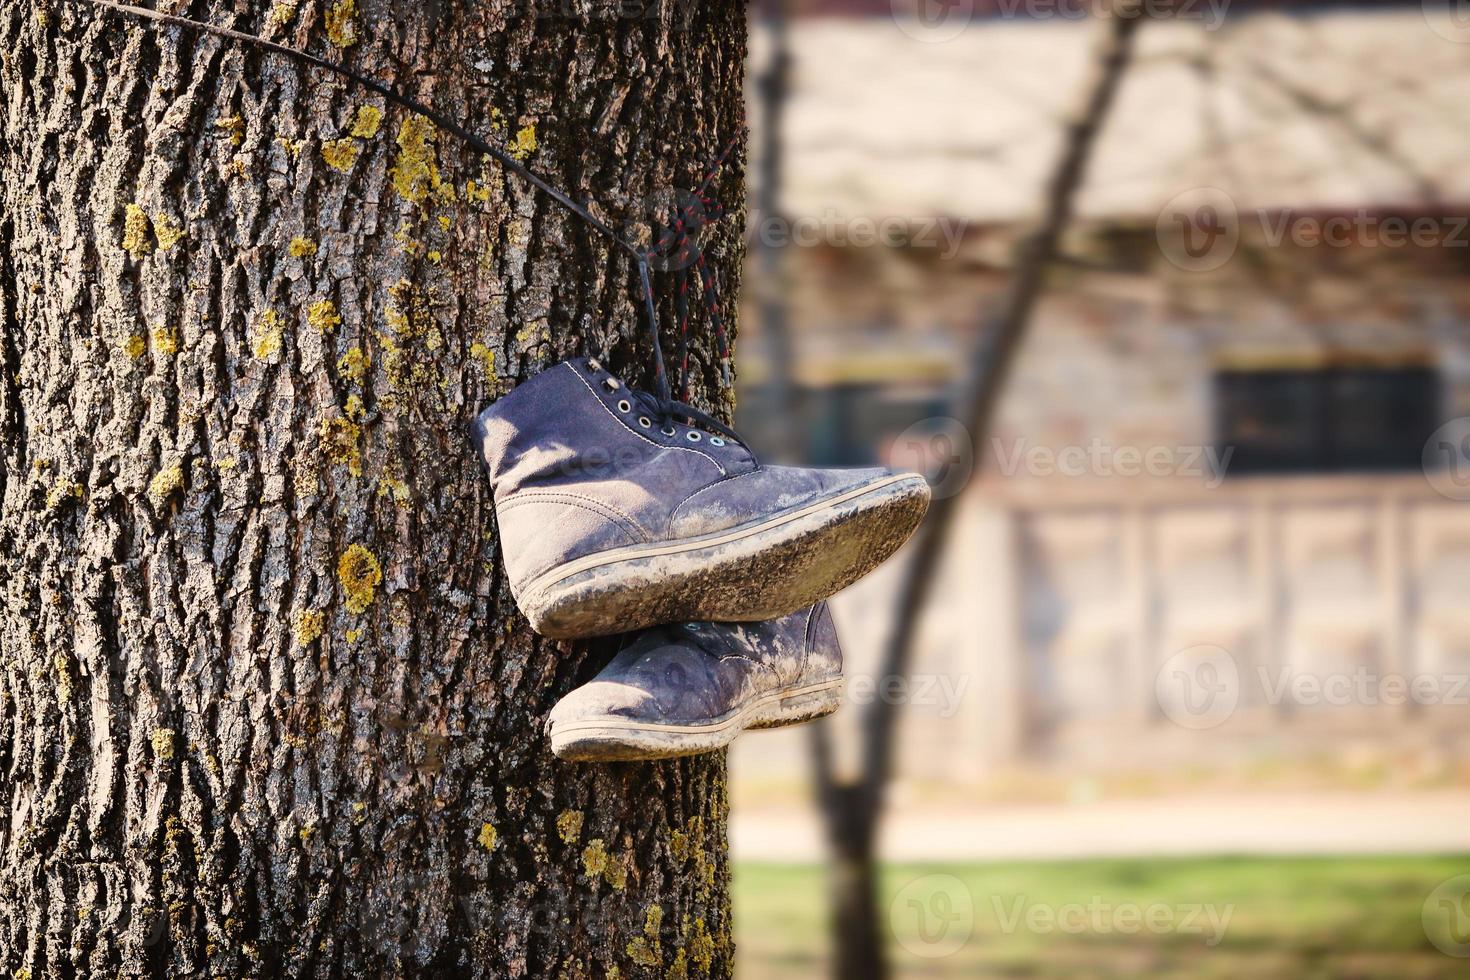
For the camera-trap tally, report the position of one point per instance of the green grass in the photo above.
(1289, 919)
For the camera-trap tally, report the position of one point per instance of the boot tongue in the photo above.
(701, 636)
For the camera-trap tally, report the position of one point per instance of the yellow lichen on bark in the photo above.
(342, 23)
(164, 483)
(302, 247)
(407, 242)
(415, 171)
(594, 858)
(167, 233)
(597, 862)
(165, 340)
(339, 438)
(700, 943)
(163, 743)
(233, 125)
(645, 950)
(282, 12)
(340, 154)
(323, 316)
(354, 364)
(135, 347)
(268, 336)
(61, 491)
(640, 952)
(365, 124)
(569, 826)
(397, 489)
(488, 836)
(410, 318)
(135, 232)
(360, 574)
(485, 357)
(308, 626)
(525, 142)
(307, 480)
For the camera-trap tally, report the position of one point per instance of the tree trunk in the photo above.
(268, 707)
(852, 886)
(853, 809)
(857, 938)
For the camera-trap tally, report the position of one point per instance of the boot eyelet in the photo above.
(644, 421)
(716, 441)
(670, 431)
(611, 384)
(693, 436)
(625, 406)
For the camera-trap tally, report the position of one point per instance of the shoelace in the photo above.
(677, 243)
(666, 411)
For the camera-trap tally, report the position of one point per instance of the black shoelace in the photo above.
(678, 245)
(683, 411)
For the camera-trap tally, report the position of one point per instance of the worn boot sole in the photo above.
(623, 740)
(759, 571)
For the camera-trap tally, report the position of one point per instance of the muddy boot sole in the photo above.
(755, 572)
(623, 740)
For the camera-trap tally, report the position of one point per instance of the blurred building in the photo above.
(1215, 521)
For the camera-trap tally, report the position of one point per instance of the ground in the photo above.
(1290, 824)
(1290, 918)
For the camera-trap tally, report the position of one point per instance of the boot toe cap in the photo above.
(602, 700)
(665, 685)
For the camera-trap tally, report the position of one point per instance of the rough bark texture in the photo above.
(268, 708)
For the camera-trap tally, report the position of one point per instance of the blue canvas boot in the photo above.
(680, 690)
(614, 516)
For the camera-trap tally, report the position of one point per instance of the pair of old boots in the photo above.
(617, 517)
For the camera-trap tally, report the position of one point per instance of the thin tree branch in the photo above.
(988, 371)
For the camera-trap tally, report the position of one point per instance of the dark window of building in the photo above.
(1330, 420)
(841, 425)
(853, 424)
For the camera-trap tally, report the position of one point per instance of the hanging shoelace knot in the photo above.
(676, 249)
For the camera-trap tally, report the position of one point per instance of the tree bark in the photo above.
(268, 708)
(852, 886)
